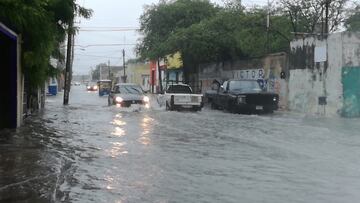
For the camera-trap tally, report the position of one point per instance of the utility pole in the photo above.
(327, 4)
(160, 77)
(109, 70)
(124, 77)
(68, 69)
(100, 71)
(268, 29)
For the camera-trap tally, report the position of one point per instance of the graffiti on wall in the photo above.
(274, 82)
(253, 74)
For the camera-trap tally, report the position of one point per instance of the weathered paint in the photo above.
(310, 80)
(304, 91)
(351, 85)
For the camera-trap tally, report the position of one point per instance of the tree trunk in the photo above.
(160, 78)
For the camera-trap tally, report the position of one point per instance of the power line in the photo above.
(101, 45)
(97, 56)
(110, 27)
(108, 30)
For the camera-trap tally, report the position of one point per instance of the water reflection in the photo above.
(117, 149)
(119, 132)
(147, 125)
(118, 122)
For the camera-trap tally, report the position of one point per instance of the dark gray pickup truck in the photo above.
(244, 96)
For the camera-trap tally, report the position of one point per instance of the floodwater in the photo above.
(89, 152)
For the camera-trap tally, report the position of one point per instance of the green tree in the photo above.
(353, 22)
(224, 34)
(160, 21)
(42, 25)
(310, 16)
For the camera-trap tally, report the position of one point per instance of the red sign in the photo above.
(153, 65)
(152, 73)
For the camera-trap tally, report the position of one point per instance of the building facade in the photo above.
(138, 73)
(325, 75)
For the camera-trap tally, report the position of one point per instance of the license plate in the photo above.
(184, 99)
(259, 107)
(133, 102)
(187, 106)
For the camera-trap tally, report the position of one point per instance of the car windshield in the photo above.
(179, 89)
(252, 86)
(128, 89)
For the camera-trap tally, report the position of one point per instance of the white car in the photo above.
(127, 94)
(180, 96)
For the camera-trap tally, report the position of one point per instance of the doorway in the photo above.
(8, 81)
(351, 91)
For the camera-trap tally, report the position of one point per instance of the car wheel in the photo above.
(213, 105)
(168, 107)
(230, 107)
(268, 111)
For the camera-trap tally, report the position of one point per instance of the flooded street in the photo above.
(89, 152)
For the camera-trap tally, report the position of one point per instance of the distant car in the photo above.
(77, 83)
(180, 96)
(127, 94)
(92, 87)
(244, 96)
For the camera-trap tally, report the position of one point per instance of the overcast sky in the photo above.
(112, 15)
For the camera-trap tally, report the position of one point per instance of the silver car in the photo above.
(126, 94)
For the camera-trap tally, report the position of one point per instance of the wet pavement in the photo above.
(89, 152)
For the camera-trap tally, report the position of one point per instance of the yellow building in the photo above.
(174, 65)
(139, 73)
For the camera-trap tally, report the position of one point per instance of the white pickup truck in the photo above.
(180, 96)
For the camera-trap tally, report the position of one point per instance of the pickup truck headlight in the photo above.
(146, 99)
(241, 99)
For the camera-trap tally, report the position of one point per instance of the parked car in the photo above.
(92, 87)
(126, 94)
(180, 96)
(244, 96)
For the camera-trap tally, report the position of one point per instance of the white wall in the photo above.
(306, 85)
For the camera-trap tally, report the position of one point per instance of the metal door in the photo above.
(351, 91)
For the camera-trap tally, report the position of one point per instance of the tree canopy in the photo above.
(160, 21)
(310, 16)
(43, 25)
(353, 22)
(203, 32)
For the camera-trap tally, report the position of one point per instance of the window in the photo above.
(179, 89)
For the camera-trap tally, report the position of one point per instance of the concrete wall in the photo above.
(312, 78)
(268, 68)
